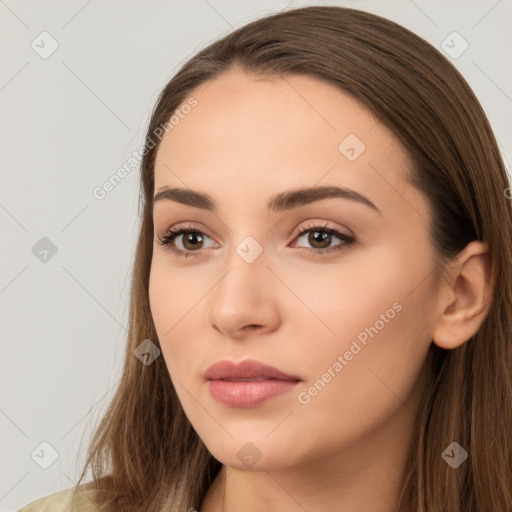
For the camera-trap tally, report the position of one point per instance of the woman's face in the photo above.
(353, 324)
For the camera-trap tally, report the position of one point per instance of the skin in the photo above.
(249, 138)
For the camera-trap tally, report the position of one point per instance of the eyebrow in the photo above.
(279, 202)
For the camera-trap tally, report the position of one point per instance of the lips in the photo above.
(246, 371)
(248, 383)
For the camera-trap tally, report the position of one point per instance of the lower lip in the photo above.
(248, 393)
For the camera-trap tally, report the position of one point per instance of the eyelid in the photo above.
(168, 237)
(309, 224)
(323, 224)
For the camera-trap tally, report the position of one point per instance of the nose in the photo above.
(245, 300)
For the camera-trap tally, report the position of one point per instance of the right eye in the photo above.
(192, 237)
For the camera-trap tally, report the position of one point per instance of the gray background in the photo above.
(69, 122)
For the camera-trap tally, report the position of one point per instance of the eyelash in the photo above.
(168, 238)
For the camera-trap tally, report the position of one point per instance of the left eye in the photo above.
(320, 237)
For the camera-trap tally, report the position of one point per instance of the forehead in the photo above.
(268, 134)
(270, 111)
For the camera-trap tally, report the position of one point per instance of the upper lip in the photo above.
(246, 369)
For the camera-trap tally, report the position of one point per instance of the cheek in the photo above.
(163, 301)
(178, 314)
(373, 382)
(369, 368)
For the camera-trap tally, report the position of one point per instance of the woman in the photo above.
(321, 306)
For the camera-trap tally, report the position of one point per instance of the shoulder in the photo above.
(68, 500)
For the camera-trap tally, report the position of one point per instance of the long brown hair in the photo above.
(145, 455)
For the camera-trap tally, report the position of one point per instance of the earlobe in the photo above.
(464, 299)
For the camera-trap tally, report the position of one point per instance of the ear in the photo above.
(464, 297)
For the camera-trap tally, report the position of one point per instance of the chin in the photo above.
(247, 453)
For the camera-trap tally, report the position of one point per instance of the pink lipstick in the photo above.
(248, 383)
